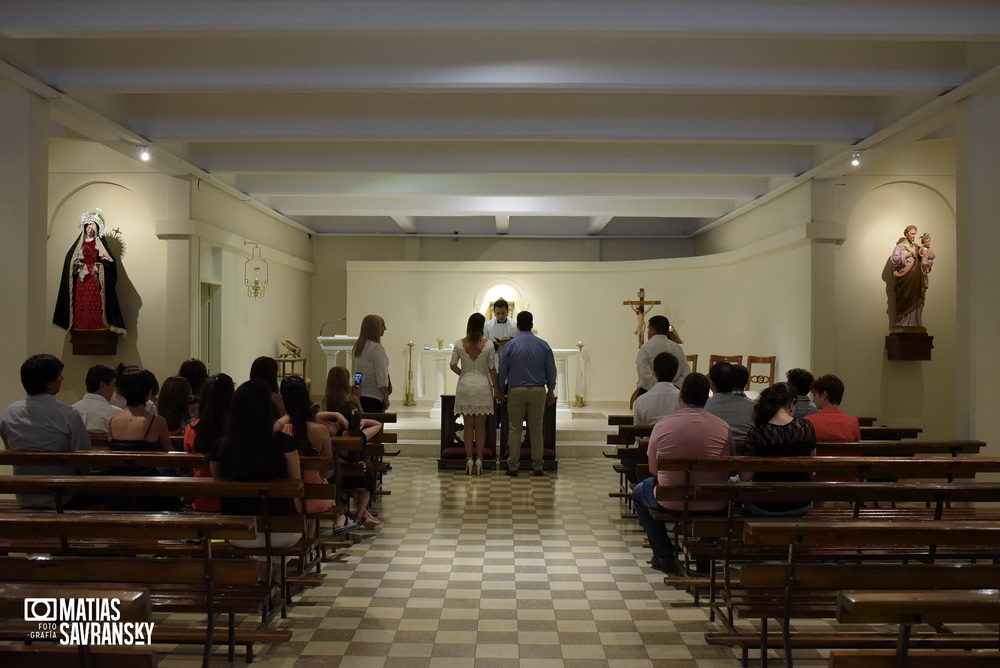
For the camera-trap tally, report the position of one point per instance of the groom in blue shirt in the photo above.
(528, 375)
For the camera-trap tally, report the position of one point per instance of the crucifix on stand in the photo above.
(639, 306)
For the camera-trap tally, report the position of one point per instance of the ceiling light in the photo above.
(856, 158)
(144, 153)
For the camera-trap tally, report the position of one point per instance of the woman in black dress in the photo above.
(778, 433)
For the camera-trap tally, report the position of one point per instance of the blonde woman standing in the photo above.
(372, 363)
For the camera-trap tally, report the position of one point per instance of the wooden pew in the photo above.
(134, 606)
(307, 551)
(841, 542)
(907, 448)
(907, 606)
(205, 584)
(916, 659)
(888, 433)
(901, 448)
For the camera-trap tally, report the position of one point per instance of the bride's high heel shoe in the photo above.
(469, 466)
(479, 466)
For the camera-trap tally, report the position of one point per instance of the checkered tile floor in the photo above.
(495, 571)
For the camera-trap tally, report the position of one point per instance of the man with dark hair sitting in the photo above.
(742, 379)
(735, 409)
(41, 423)
(831, 424)
(690, 432)
(802, 380)
(95, 408)
(661, 399)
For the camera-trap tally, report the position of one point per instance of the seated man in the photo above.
(41, 423)
(830, 423)
(95, 408)
(661, 399)
(735, 409)
(802, 380)
(742, 380)
(690, 432)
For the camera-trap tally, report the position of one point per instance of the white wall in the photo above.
(152, 281)
(709, 300)
(132, 199)
(914, 186)
(255, 327)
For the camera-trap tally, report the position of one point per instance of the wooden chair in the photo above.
(734, 359)
(693, 362)
(764, 372)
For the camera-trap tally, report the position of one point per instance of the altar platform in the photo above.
(582, 434)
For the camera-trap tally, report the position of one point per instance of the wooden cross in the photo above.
(639, 306)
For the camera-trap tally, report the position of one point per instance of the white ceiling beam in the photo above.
(631, 185)
(406, 223)
(503, 224)
(666, 129)
(598, 223)
(512, 77)
(504, 157)
(421, 205)
(938, 21)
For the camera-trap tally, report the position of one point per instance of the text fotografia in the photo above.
(84, 621)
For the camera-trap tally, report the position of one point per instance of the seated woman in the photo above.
(173, 404)
(251, 451)
(266, 369)
(311, 437)
(135, 429)
(778, 433)
(204, 433)
(359, 487)
(340, 390)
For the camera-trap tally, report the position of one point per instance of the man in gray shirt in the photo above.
(41, 423)
(735, 409)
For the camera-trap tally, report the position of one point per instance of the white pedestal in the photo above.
(438, 359)
(332, 347)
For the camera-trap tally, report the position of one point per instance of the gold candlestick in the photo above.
(580, 401)
(408, 401)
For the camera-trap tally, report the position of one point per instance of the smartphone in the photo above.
(357, 380)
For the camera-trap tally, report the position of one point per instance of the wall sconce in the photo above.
(255, 272)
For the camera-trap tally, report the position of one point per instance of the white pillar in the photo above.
(180, 308)
(24, 174)
(978, 281)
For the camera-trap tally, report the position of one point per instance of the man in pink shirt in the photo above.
(831, 424)
(690, 432)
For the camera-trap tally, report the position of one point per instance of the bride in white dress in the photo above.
(477, 388)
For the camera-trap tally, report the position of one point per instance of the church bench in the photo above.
(900, 448)
(884, 433)
(795, 589)
(917, 659)
(718, 539)
(23, 656)
(207, 584)
(307, 551)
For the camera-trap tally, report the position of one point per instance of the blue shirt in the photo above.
(527, 361)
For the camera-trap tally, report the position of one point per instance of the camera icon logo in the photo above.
(40, 610)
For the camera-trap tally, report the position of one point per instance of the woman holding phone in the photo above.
(372, 363)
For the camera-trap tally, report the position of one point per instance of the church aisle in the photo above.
(476, 572)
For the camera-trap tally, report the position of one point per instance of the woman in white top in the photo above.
(372, 363)
(477, 388)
